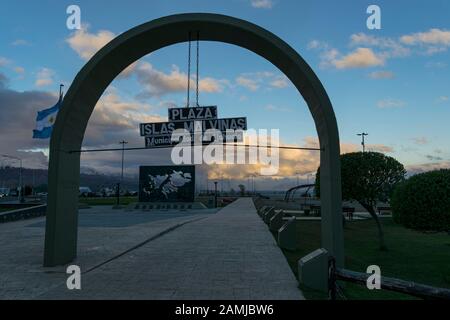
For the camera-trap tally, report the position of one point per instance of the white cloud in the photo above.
(87, 44)
(271, 107)
(317, 44)
(280, 82)
(390, 103)
(419, 168)
(431, 37)
(443, 99)
(381, 75)
(262, 4)
(20, 42)
(19, 70)
(114, 117)
(436, 64)
(430, 42)
(360, 58)
(389, 48)
(263, 79)
(250, 84)
(44, 77)
(4, 62)
(157, 83)
(420, 140)
(379, 148)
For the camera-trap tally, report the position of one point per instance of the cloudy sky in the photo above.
(392, 83)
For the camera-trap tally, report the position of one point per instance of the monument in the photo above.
(167, 184)
(90, 83)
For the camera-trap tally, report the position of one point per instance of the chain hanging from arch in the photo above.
(198, 63)
(189, 72)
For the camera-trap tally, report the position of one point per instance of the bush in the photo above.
(423, 201)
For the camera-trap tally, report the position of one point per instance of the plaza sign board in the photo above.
(190, 119)
(196, 113)
(166, 140)
(167, 128)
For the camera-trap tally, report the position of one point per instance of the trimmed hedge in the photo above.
(423, 201)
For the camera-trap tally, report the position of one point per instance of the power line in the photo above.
(204, 144)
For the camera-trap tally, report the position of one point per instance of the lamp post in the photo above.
(215, 194)
(21, 198)
(123, 143)
(308, 177)
(363, 143)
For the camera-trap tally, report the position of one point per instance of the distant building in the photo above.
(4, 191)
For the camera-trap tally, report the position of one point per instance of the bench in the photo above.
(316, 210)
(349, 211)
(383, 209)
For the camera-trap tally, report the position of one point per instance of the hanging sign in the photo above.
(159, 134)
(196, 113)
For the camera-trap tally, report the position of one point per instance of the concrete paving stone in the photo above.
(227, 255)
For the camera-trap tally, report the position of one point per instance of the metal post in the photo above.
(123, 143)
(61, 86)
(215, 194)
(21, 199)
(363, 143)
(118, 194)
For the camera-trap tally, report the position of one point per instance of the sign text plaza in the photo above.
(199, 137)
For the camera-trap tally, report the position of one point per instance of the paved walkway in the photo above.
(228, 255)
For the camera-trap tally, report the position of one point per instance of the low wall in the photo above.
(23, 214)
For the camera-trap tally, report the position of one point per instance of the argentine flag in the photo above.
(44, 122)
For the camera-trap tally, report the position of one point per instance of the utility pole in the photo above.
(363, 143)
(123, 143)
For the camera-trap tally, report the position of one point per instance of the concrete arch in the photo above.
(99, 72)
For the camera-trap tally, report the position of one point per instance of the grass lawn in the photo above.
(411, 255)
(107, 201)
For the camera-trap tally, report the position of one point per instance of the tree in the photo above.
(242, 189)
(27, 190)
(423, 201)
(368, 178)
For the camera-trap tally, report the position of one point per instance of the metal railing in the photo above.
(392, 284)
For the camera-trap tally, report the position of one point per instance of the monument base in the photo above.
(157, 206)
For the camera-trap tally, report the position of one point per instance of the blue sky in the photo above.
(392, 83)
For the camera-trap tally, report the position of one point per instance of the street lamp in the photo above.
(362, 135)
(21, 198)
(215, 193)
(123, 143)
(308, 176)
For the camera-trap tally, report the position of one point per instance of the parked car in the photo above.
(85, 192)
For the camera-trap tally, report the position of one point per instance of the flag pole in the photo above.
(61, 86)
